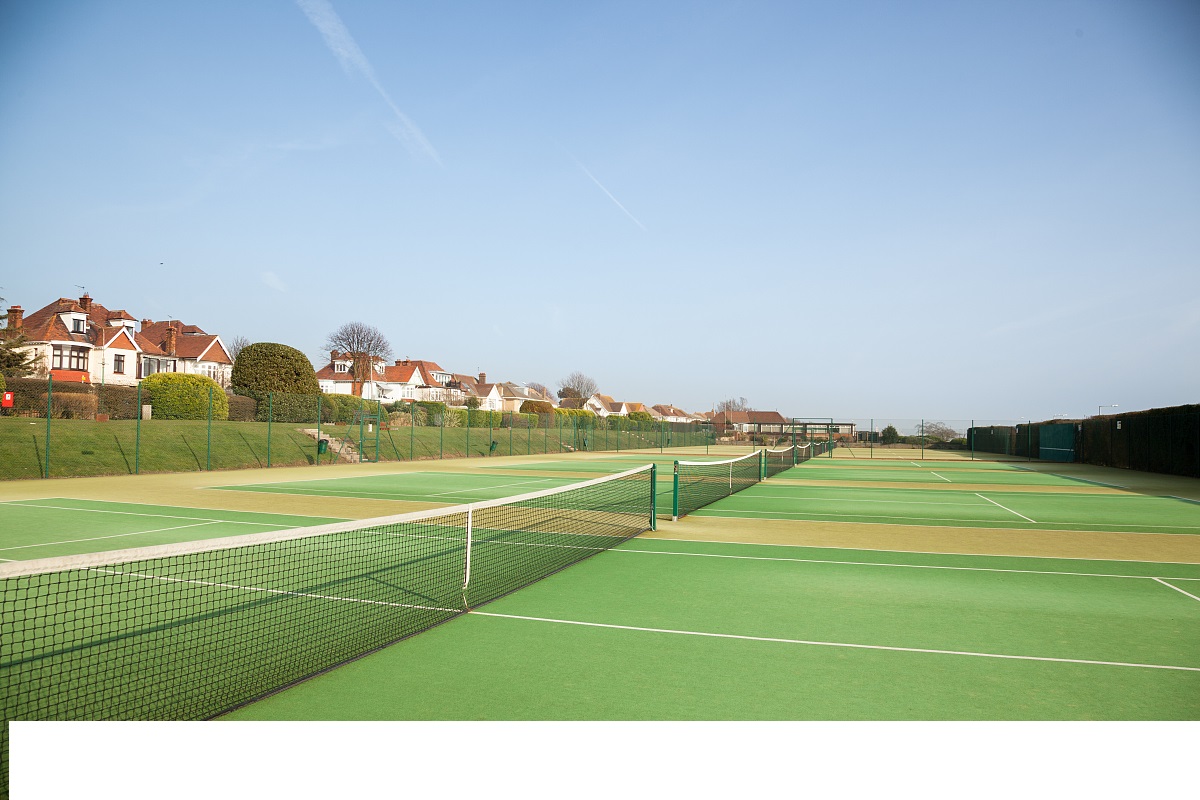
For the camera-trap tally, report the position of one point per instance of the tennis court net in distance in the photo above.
(699, 483)
(190, 631)
(780, 459)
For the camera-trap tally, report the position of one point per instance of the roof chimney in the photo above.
(15, 313)
(86, 301)
(483, 377)
(169, 345)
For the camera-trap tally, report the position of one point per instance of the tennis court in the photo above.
(798, 596)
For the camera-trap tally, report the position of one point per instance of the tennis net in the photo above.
(699, 483)
(777, 460)
(191, 631)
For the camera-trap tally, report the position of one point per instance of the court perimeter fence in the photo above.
(69, 430)
(1162, 440)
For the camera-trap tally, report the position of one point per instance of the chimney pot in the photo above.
(483, 377)
(86, 301)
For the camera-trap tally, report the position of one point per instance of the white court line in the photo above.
(947, 480)
(646, 538)
(804, 516)
(489, 488)
(902, 566)
(263, 590)
(853, 501)
(26, 504)
(915, 464)
(1009, 510)
(1176, 588)
(117, 536)
(850, 645)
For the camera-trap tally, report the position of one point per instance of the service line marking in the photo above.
(947, 480)
(1176, 588)
(117, 536)
(1009, 510)
(851, 645)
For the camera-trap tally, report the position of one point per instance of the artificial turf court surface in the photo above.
(700, 624)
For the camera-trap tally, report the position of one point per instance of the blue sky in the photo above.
(943, 210)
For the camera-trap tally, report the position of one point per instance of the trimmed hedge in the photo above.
(175, 395)
(242, 409)
(536, 407)
(270, 367)
(580, 413)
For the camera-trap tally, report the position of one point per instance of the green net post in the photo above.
(653, 497)
(675, 494)
(137, 435)
(49, 414)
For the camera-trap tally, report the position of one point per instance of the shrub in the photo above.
(472, 403)
(580, 413)
(269, 367)
(641, 416)
(536, 407)
(72, 405)
(175, 395)
(287, 407)
(119, 402)
(242, 409)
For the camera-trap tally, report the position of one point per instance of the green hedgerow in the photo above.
(175, 395)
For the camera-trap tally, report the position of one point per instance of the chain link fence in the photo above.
(56, 429)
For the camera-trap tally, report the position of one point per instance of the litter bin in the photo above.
(492, 448)
(322, 446)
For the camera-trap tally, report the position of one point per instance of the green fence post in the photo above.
(49, 414)
(270, 413)
(137, 435)
(412, 427)
(317, 459)
(378, 426)
(208, 455)
(510, 432)
(468, 433)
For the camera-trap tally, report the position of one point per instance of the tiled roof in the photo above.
(572, 402)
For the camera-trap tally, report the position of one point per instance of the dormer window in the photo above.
(341, 366)
(77, 326)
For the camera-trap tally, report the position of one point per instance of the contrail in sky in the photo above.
(610, 194)
(337, 37)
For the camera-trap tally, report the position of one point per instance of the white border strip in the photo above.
(112, 557)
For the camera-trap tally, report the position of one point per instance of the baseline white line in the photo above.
(646, 538)
(798, 516)
(1009, 510)
(1176, 588)
(488, 488)
(116, 536)
(889, 564)
(947, 480)
(852, 501)
(851, 645)
(166, 516)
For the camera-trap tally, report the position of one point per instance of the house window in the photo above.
(152, 365)
(119, 364)
(341, 366)
(72, 358)
(77, 326)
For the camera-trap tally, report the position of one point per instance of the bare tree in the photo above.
(734, 404)
(236, 345)
(577, 385)
(939, 430)
(363, 345)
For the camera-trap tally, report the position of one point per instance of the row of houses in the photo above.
(81, 341)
